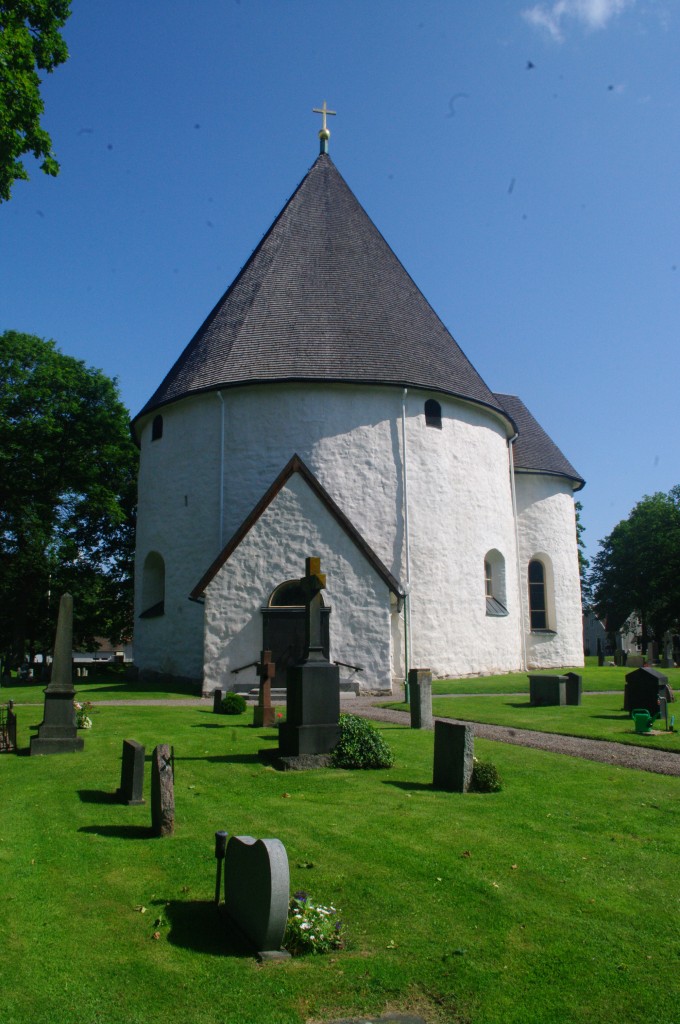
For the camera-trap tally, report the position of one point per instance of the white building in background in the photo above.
(324, 410)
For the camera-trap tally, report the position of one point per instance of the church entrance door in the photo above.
(283, 628)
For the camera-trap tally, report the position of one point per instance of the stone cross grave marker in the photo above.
(312, 584)
(57, 733)
(263, 713)
(313, 685)
(162, 791)
(131, 787)
(257, 892)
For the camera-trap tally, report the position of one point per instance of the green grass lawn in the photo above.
(608, 677)
(553, 901)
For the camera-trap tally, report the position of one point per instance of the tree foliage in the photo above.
(30, 42)
(637, 569)
(67, 497)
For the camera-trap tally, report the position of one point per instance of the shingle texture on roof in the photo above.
(323, 298)
(534, 451)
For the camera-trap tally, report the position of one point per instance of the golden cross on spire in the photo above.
(325, 133)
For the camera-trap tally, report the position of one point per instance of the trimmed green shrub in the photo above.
(360, 746)
(233, 704)
(485, 778)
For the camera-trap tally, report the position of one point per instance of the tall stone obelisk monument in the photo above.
(57, 734)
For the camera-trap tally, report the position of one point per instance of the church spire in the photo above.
(325, 133)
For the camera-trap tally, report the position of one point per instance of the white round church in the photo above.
(324, 410)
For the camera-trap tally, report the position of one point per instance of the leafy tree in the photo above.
(67, 498)
(638, 568)
(583, 562)
(29, 42)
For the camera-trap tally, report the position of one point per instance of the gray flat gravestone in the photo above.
(217, 701)
(313, 686)
(131, 774)
(454, 748)
(57, 733)
(162, 791)
(257, 892)
(420, 698)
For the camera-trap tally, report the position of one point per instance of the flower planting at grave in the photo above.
(82, 710)
(311, 927)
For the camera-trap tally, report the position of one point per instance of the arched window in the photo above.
(288, 595)
(433, 414)
(494, 583)
(538, 611)
(153, 586)
(157, 428)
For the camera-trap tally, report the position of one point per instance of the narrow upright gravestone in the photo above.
(57, 733)
(162, 791)
(313, 686)
(263, 713)
(454, 747)
(420, 698)
(257, 892)
(217, 701)
(132, 774)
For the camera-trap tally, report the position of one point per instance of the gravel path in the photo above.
(627, 756)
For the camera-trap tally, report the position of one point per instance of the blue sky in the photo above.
(521, 158)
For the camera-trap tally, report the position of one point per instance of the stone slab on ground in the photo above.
(292, 763)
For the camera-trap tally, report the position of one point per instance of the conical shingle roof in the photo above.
(534, 450)
(323, 298)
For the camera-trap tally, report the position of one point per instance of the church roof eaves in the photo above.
(322, 298)
(296, 465)
(534, 451)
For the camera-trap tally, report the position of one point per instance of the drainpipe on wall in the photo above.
(523, 634)
(221, 473)
(407, 584)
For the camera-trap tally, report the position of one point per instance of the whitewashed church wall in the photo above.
(178, 517)
(460, 507)
(547, 532)
(294, 526)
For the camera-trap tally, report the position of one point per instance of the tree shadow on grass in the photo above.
(199, 925)
(225, 759)
(422, 786)
(209, 725)
(97, 796)
(120, 831)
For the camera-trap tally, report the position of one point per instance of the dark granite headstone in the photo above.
(644, 687)
(547, 690)
(162, 791)
(257, 891)
(454, 747)
(132, 773)
(217, 701)
(420, 698)
(313, 686)
(574, 688)
(57, 733)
